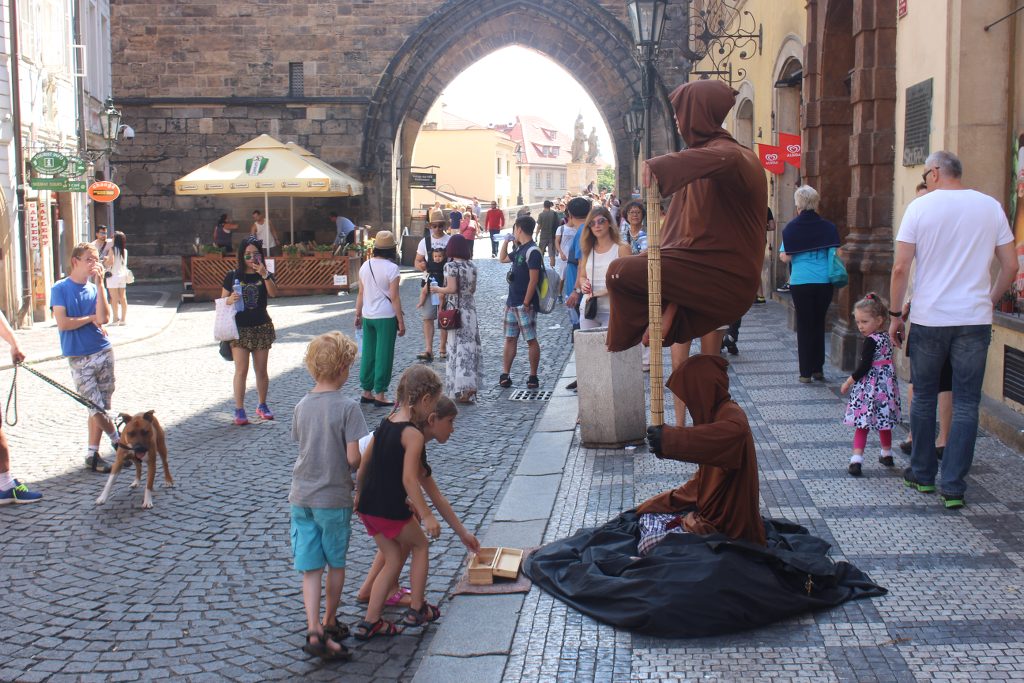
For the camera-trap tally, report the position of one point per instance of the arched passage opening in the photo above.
(470, 139)
(785, 119)
(578, 35)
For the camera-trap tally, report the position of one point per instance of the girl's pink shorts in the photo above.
(389, 528)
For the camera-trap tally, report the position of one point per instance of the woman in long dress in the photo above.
(463, 374)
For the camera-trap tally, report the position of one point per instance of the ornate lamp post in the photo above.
(519, 165)
(647, 20)
(110, 127)
(633, 121)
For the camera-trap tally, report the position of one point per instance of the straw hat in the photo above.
(384, 239)
(437, 216)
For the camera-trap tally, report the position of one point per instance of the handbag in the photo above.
(590, 310)
(129, 276)
(837, 274)
(225, 350)
(450, 318)
(224, 327)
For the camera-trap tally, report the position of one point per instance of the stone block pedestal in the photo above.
(612, 407)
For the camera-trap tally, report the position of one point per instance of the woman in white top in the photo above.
(116, 262)
(379, 316)
(601, 244)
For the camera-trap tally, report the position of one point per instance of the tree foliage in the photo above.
(606, 179)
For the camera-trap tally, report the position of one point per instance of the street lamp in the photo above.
(633, 121)
(519, 165)
(110, 121)
(647, 20)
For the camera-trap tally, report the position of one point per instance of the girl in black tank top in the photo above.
(388, 487)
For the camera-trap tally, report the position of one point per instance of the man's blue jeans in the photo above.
(967, 348)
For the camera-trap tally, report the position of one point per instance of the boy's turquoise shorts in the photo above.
(319, 537)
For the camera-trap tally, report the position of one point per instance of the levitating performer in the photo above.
(712, 238)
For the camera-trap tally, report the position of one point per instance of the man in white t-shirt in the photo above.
(265, 232)
(950, 235)
(432, 272)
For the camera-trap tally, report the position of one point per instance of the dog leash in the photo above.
(12, 396)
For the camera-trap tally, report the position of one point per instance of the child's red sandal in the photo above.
(424, 615)
(365, 630)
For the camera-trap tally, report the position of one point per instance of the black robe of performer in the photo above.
(712, 238)
(722, 496)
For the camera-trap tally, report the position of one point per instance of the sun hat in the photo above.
(384, 239)
(437, 216)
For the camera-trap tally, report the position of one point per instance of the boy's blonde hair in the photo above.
(329, 354)
(82, 247)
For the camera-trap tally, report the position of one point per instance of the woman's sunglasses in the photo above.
(600, 220)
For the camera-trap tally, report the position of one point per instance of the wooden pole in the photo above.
(654, 303)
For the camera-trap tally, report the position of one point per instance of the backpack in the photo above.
(550, 284)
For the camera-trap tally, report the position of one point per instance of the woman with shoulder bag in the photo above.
(116, 263)
(601, 244)
(255, 328)
(379, 316)
(464, 372)
(807, 244)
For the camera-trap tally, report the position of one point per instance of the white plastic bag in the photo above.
(224, 327)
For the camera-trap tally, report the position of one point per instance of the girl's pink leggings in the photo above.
(860, 438)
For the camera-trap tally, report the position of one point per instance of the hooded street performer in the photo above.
(712, 238)
(722, 496)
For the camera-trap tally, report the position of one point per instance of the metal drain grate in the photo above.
(529, 395)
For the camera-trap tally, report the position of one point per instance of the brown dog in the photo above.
(142, 437)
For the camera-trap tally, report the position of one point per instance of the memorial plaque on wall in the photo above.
(917, 123)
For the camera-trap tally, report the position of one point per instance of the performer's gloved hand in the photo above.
(654, 440)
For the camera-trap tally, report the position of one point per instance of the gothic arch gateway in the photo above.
(580, 35)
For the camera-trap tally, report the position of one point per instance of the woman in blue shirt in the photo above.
(806, 241)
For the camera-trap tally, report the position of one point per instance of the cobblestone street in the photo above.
(201, 586)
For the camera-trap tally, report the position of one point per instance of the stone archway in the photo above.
(850, 138)
(565, 32)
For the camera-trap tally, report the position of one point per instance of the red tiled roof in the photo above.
(542, 142)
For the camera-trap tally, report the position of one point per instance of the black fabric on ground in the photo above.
(691, 586)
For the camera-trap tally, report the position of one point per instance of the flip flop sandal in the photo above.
(365, 630)
(504, 381)
(336, 631)
(424, 615)
(397, 598)
(426, 355)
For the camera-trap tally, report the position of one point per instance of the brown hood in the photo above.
(701, 107)
(703, 384)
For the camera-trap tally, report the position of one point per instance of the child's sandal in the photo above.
(504, 381)
(424, 615)
(532, 382)
(320, 648)
(336, 631)
(365, 630)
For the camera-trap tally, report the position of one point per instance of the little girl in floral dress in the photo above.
(874, 390)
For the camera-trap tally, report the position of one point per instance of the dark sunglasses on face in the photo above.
(600, 220)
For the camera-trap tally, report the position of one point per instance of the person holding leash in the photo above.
(12, 491)
(79, 305)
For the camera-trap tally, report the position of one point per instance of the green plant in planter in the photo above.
(292, 250)
(210, 249)
(323, 248)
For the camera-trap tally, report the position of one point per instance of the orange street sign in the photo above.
(104, 191)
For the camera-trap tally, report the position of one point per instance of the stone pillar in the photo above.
(611, 392)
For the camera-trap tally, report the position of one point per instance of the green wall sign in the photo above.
(77, 166)
(55, 184)
(49, 162)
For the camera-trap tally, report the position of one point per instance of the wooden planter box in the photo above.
(296, 276)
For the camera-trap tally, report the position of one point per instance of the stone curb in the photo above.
(474, 640)
(161, 330)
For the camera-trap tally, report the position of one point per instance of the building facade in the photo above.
(51, 92)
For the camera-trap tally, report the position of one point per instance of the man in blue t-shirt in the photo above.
(80, 309)
(346, 229)
(523, 298)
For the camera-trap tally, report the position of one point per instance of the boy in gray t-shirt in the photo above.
(328, 427)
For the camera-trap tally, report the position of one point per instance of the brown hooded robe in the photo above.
(713, 235)
(724, 491)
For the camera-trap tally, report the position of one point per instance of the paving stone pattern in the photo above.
(955, 609)
(201, 586)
